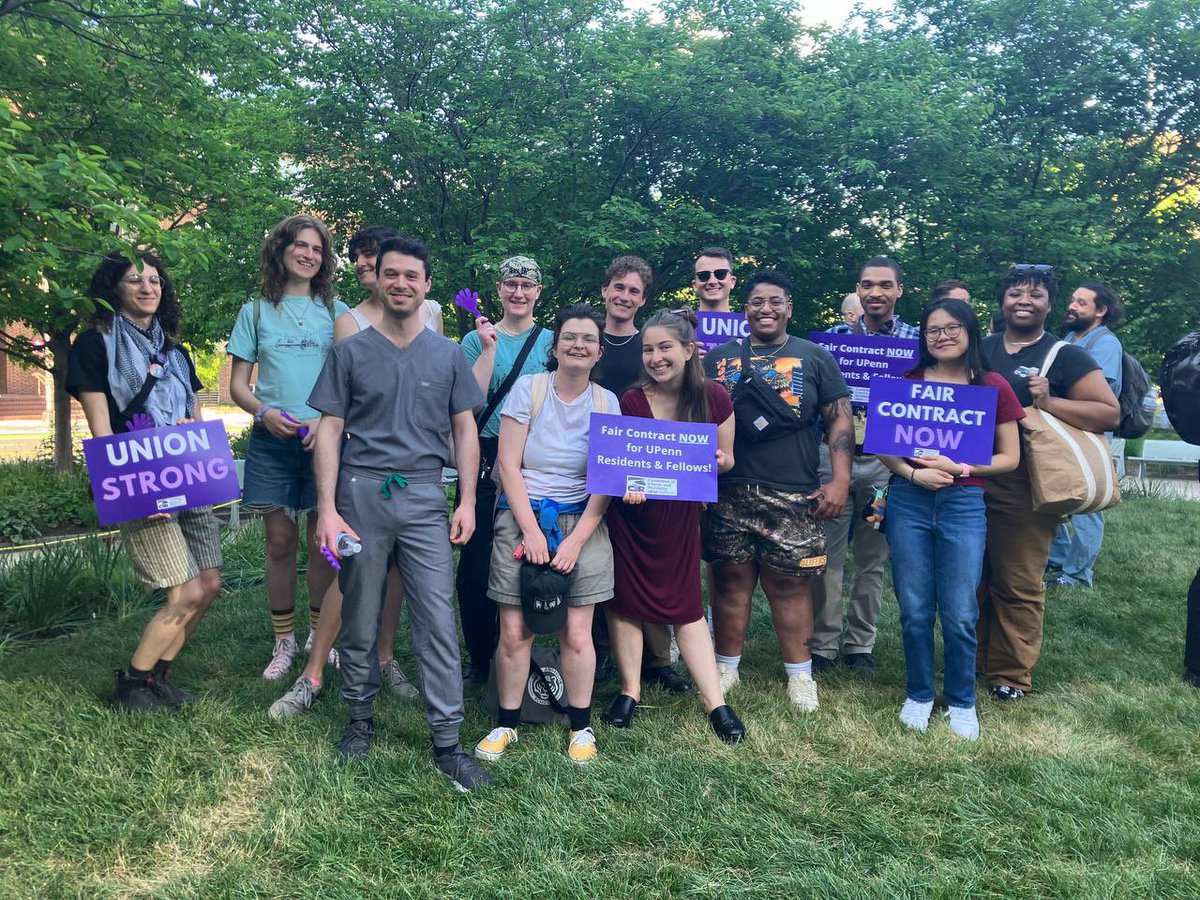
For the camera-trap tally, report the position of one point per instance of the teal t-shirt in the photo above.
(289, 354)
(507, 351)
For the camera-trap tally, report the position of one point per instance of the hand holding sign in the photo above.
(919, 419)
(468, 300)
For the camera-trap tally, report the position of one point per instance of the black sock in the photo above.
(139, 674)
(509, 718)
(444, 751)
(580, 716)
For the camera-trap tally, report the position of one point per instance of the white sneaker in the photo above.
(281, 659)
(729, 678)
(802, 691)
(964, 722)
(394, 678)
(916, 715)
(334, 659)
(298, 699)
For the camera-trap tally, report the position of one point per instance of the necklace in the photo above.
(500, 327)
(300, 321)
(770, 355)
(1025, 343)
(613, 343)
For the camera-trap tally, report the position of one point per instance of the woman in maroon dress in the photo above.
(656, 543)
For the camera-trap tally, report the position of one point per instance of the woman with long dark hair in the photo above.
(936, 526)
(128, 371)
(287, 333)
(656, 543)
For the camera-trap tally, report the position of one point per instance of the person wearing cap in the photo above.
(545, 518)
(493, 350)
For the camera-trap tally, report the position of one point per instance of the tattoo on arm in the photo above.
(840, 417)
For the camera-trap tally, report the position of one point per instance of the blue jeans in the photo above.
(937, 541)
(1075, 555)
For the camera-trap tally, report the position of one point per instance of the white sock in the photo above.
(729, 662)
(794, 669)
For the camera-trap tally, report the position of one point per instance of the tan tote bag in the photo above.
(1070, 470)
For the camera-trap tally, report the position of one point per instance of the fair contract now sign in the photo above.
(663, 459)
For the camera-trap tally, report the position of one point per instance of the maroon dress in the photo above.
(656, 545)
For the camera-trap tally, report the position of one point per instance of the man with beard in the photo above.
(1095, 309)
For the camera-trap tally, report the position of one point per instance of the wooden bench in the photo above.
(1166, 453)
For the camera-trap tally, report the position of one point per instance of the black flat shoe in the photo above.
(727, 725)
(1005, 693)
(667, 678)
(620, 714)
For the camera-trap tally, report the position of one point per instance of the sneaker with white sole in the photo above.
(397, 681)
(964, 722)
(497, 741)
(298, 699)
(802, 691)
(729, 678)
(915, 715)
(281, 658)
(582, 749)
(334, 658)
(464, 772)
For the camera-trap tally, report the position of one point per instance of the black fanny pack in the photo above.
(759, 412)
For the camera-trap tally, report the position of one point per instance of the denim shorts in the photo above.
(279, 474)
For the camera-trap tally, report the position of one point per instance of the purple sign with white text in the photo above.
(911, 418)
(717, 328)
(663, 459)
(160, 470)
(861, 357)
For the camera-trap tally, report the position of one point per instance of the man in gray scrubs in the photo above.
(398, 392)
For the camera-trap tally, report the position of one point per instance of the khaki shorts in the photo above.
(772, 527)
(591, 579)
(167, 552)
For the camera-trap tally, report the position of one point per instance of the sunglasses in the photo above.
(719, 274)
(1033, 269)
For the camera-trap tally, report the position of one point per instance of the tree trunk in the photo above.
(60, 348)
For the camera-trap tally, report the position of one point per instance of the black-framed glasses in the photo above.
(1033, 269)
(951, 331)
(719, 274)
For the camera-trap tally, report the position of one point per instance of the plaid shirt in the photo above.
(893, 327)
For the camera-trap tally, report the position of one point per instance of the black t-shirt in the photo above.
(1071, 364)
(87, 370)
(621, 366)
(807, 378)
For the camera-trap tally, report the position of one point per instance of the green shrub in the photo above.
(240, 443)
(35, 499)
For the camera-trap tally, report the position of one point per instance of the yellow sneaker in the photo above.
(493, 746)
(582, 749)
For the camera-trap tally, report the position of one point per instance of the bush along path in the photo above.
(1089, 788)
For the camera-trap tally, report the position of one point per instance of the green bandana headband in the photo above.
(521, 267)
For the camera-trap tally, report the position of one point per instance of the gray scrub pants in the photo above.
(413, 528)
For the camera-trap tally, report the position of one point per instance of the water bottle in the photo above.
(346, 545)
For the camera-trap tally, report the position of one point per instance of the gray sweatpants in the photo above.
(413, 528)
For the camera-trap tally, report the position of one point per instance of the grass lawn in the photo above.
(1090, 788)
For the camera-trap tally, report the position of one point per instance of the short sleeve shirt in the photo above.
(556, 450)
(621, 365)
(807, 378)
(289, 355)
(87, 372)
(1071, 364)
(396, 404)
(1106, 350)
(508, 348)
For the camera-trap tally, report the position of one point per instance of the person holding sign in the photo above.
(767, 525)
(656, 543)
(936, 525)
(127, 371)
(545, 518)
(287, 333)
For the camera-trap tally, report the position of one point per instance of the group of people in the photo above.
(357, 411)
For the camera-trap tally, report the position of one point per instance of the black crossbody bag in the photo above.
(759, 412)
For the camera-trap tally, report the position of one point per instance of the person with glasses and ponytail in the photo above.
(936, 526)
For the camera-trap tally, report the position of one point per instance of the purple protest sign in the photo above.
(861, 357)
(911, 418)
(663, 459)
(140, 473)
(717, 328)
(468, 300)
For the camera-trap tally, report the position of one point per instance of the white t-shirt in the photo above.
(556, 450)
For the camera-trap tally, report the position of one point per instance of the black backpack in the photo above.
(1136, 415)
(1180, 381)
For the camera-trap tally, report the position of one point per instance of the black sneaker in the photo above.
(356, 742)
(667, 678)
(463, 771)
(140, 695)
(171, 692)
(1004, 693)
(861, 664)
(823, 664)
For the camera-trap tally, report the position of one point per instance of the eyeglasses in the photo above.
(776, 303)
(570, 337)
(867, 285)
(719, 274)
(514, 286)
(1032, 269)
(135, 280)
(951, 331)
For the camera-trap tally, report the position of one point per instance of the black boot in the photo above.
(167, 688)
(141, 695)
